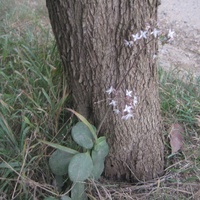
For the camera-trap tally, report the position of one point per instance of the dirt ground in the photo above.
(182, 16)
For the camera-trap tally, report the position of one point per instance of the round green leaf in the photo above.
(98, 169)
(101, 148)
(82, 135)
(65, 198)
(80, 167)
(59, 162)
(99, 153)
(78, 192)
(50, 198)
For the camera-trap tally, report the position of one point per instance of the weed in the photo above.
(33, 93)
(180, 97)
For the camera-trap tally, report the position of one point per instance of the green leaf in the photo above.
(82, 135)
(84, 120)
(59, 180)
(101, 147)
(50, 198)
(11, 165)
(59, 162)
(60, 147)
(65, 198)
(8, 132)
(78, 192)
(98, 169)
(80, 167)
(47, 96)
(99, 153)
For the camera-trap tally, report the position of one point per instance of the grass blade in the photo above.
(60, 147)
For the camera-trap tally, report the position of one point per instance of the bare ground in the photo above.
(183, 17)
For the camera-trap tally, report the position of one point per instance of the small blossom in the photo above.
(143, 34)
(147, 27)
(136, 37)
(155, 32)
(128, 116)
(113, 103)
(128, 109)
(135, 101)
(128, 93)
(128, 43)
(110, 90)
(170, 34)
(116, 111)
(131, 43)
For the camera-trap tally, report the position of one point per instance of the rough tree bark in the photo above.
(90, 37)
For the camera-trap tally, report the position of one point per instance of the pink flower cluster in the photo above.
(144, 34)
(123, 104)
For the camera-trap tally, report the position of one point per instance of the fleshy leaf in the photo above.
(65, 198)
(101, 147)
(82, 135)
(80, 167)
(59, 182)
(50, 198)
(84, 120)
(78, 192)
(59, 162)
(99, 153)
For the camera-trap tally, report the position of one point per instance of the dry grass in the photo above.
(181, 181)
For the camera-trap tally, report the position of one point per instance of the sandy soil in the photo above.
(183, 16)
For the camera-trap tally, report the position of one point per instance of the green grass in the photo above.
(33, 95)
(180, 97)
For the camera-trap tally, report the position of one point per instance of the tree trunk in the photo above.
(90, 37)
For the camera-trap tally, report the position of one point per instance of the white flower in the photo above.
(143, 34)
(131, 43)
(113, 103)
(135, 101)
(170, 34)
(154, 56)
(155, 32)
(116, 111)
(147, 27)
(128, 109)
(128, 43)
(128, 93)
(128, 116)
(135, 37)
(110, 90)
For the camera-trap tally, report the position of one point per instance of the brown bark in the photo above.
(90, 36)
